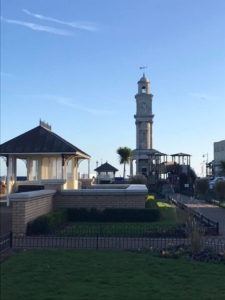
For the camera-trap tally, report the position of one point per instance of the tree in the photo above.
(202, 186)
(125, 155)
(220, 189)
(222, 167)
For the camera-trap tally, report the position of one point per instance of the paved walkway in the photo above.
(210, 211)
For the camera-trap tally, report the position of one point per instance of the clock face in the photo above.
(144, 106)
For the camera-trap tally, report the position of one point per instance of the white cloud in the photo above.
(75, 24)
(38, 27)
(69, 103)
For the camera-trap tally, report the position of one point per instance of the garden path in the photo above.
(210, 211)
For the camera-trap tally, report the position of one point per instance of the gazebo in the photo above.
(47, 156)
(106, 173)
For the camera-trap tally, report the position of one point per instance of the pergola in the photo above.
(153, 158)
(105, 173)
(47, 156)
(184, 161)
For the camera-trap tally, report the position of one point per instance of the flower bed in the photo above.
(184, 252)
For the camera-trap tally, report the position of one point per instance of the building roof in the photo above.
(39, 140)
(106, 167)
(180, 154)
(143, 79)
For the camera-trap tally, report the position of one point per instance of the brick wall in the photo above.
(56, 187)
(28, 206)
(99, 202)
(108, 186)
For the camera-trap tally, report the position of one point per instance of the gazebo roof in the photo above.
(180, 154)
(39, 140)
(106, 167)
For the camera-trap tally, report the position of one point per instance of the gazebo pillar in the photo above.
(13, 176)
(8, 178)
(88, 168)
(131, 167)
(74, 173)
(137, 167)
(28, 168)
(39, 175)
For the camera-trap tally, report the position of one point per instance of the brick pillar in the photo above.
(18, 217)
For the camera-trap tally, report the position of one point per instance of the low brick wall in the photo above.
(28, 206)
(100, 199)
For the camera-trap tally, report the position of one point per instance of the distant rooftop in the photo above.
(106, 167)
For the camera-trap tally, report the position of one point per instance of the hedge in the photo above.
(150, 202)
(113, 215)
(47, 223)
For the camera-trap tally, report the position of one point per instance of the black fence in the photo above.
(210, 196)
(211, 226)
(104, 241)
(98, 242)
(5, 242)
(216, 202)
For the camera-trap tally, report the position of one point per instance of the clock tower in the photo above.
(144, 123)
(144, 116)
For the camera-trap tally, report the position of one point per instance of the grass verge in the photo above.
(89, 274)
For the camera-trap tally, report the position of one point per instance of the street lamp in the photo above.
(202, 168)
(206, 169)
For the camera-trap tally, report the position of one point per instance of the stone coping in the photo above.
(99, 192)
(43, 182)
(26, 196)
(139, 187)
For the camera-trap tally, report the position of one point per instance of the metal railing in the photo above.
(216, 202)
(5, 242)
(99, 242)
(208, 223)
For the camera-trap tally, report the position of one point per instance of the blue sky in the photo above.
(75, 64)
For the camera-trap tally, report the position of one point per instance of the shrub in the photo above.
(47, 223)
(138, 179)
(131, 215)
(85, 215)
(150, 202)
(220, 189)
(201, 186)
(193, 228)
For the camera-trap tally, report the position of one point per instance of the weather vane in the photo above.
(143, 69)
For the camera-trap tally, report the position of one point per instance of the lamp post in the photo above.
(202, 168)
(206, 169)
(97, 179)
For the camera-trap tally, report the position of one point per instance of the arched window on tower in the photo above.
(143, 89)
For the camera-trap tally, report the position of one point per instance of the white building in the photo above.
(219, 155)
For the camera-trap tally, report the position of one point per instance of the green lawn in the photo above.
(114, 229)
(168, 221)
(92, 274)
